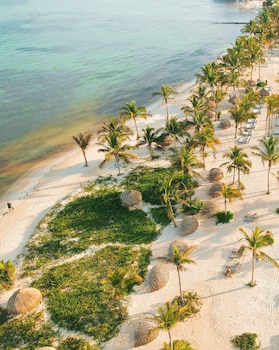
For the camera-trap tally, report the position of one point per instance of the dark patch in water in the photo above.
(32, 49)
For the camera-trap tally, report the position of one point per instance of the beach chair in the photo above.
(251, 217)
(276, 131)
(277, 123)
(247, 132)
(250, 125)
(244, 139)
(231, 269)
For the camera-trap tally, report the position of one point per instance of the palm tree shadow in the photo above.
(225, 292)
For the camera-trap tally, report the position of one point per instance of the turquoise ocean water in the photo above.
(66, 65)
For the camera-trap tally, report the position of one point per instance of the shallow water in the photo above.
(66, 65)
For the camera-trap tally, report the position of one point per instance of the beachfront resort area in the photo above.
(161, 230)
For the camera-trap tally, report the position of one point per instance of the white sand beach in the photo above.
(230, 307)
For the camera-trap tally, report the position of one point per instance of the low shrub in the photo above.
(7, 274)
(26, 332)
(193, 304)
(178, 345)
(224, 217)
(193, 206)
(72, 343)
(246, 341)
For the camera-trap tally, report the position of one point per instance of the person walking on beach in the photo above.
(10, 206)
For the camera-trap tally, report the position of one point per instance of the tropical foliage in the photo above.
(258, 239)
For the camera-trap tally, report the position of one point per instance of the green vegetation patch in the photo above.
(90, 220)
(7, 274)
(146, 180)
(78, 297)
(246, 341)
(26, 332)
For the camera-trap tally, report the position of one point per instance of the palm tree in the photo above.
(168, 190)
(179, 258)
(238, 162)
(239, 115)
(114, 125)
(169, 315)
(257, 240)
(186, 160)
(269, 153)
(167, 92)
(210, 75)
(148, 138)
(206, 138)
(83, 142)
(229, 193)
(131, 111)
(178, 345)
(122, 284)
(175, 129)
(272, 105)
(112, 145)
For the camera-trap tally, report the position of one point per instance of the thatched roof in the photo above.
(24, 300)
(264, 92)
(189, 225)
(224, 124)
(46, 348)
(210, 114)
(235, 100)
(130, 198)
(251, 82)
(210, 103)
(158, 277)
(215, 174)
(164, 140)
(210, 209)
(216, 187)
(180, 244)
(145, 331)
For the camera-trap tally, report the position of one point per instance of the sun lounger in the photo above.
(252, 120)
(251, 217)
(257, 110)
(277, 123)
(276, 131)
(250, 125)
(247, 132)
(244, 139)
(260, 105)
(269, 88)
(231, 269)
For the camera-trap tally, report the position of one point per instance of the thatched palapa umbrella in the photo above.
(216, 188)
(224, 124)
(235, 100)
(158, 277)
(264, 92)
(210, 209)
(189, 225)
(164, 140)
(210, 104)
(210, 114)
(24, 300)
(145, 331)
(131, 198)
(215, 174)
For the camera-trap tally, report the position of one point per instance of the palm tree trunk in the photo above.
(179, 283)
(235, 132)
(268, 177)
(137, 132)
(117, 163)
(253, 269)
(166, 101)
(83, 152)
(150, 151)
(120, 308)
(238, 175)
(170, 339)
(171, 212)
(225, 206)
